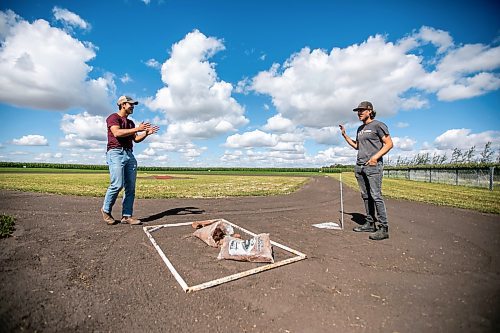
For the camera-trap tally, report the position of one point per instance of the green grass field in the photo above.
(479, 199)
(192, 185)
(181, 186)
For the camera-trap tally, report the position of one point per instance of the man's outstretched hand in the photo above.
(152, 129)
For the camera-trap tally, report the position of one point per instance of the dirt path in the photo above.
(66, 270)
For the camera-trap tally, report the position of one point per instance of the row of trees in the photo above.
(458, 156)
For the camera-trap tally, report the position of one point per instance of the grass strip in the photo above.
(474, 198)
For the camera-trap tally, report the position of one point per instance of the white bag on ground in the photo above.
(256, 249)
(214, 233)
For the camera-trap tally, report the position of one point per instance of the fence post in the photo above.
(492, 171)
(456, 176)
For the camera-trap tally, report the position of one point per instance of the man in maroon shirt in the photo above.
(122, 164)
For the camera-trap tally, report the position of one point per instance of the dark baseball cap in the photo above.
(365, 105)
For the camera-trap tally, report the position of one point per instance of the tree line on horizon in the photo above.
(458, 157)
(38, 165)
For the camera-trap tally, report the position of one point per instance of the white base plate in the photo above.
(328, 225)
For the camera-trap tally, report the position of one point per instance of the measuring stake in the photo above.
(341, 205)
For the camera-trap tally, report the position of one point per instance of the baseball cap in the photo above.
(365, 105)
(127, 99)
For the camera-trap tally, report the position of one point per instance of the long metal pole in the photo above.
(492, 174)
(341, 204)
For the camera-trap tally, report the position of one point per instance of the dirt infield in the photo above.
(65, 270)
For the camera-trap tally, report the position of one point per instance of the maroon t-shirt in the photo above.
(123, 123)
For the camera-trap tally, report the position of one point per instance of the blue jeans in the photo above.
(122, 173)
(370, 184)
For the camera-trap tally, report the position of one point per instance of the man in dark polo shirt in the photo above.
(372, 142)
(122, 164)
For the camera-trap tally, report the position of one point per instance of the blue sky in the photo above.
(247, 83)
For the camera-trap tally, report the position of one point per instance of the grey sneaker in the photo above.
(381, 233)
(107, 218)
(367, 227)
(130, 220)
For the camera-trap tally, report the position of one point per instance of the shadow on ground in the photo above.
(357, 218)
(173, 211)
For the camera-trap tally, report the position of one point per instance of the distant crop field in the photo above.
(49, 170)
(188, 171)
(475, 198)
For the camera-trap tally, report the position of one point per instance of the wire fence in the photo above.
(480, 177)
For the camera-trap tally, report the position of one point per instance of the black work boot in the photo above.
(381, 233)
(367, 227)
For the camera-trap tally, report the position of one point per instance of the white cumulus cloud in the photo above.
(70, 19)
(405, 143)
(464, 72)
(126, 78)
(335, 155)
(279, 124)
(318, 88)
(85, 125)
(153, 63)
(256, 138)
(261, 148)
(164, 145)
(31, 140)
(463, 138)
(84, 131)
(43, 67)
(439, 38)
(48, 156)
(196, 102)
(326, 135)
(470, 87)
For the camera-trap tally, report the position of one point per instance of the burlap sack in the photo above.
(214, 233)
(201, 224)
(256, 249)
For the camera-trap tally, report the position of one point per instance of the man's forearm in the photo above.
(350, 141)
(384, 150)
(380, 153)
(140, 137)
(122, 132)
(388, 144)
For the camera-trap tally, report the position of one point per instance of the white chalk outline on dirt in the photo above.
(150, 229)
